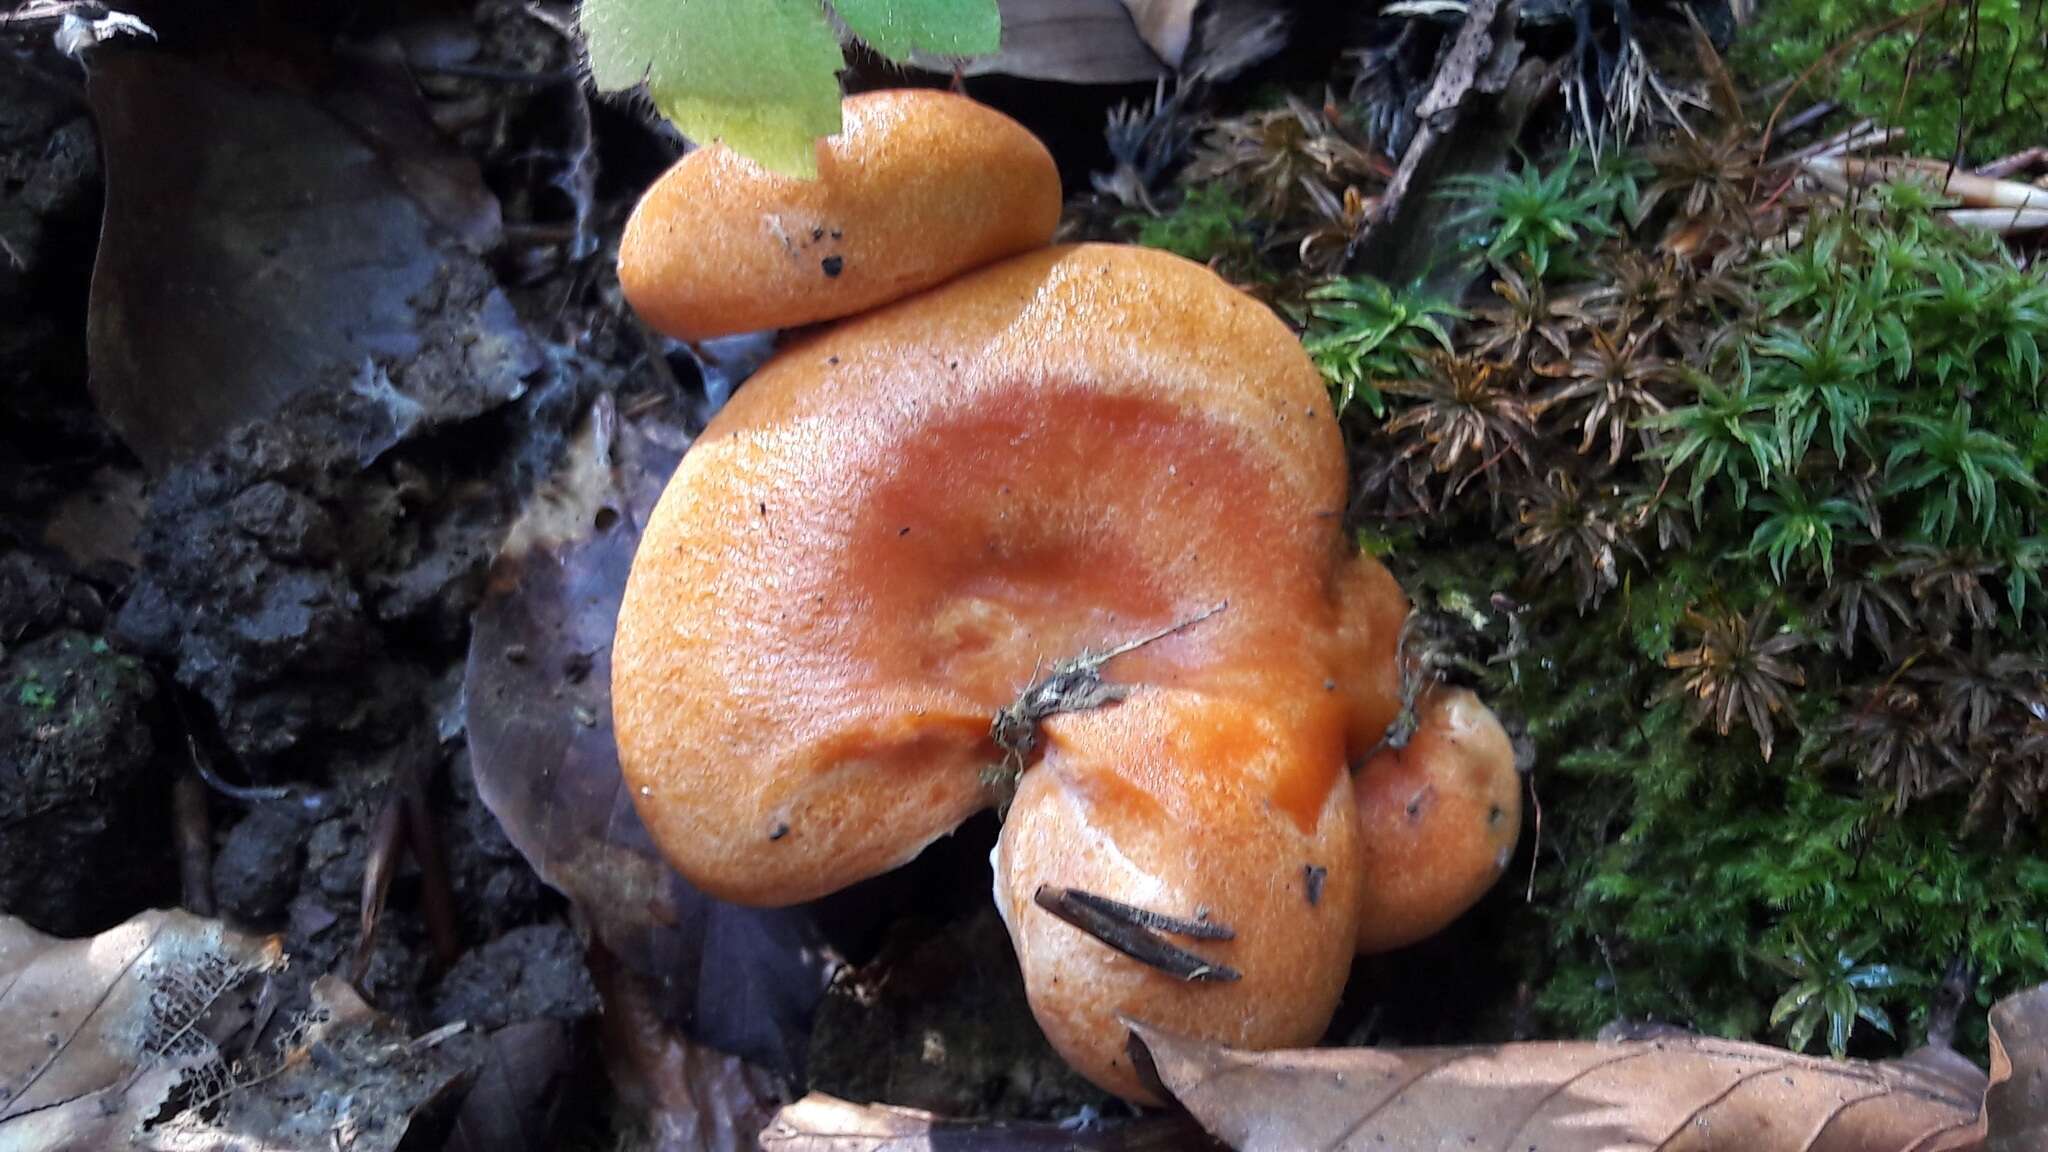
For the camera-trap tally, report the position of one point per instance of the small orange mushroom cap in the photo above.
(918, 187)
(1438, 821)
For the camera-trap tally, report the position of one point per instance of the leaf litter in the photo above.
(172, 1031)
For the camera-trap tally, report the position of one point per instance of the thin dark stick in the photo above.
(1128, 646)
(1814, 114)
(1157, 921)
(195, 843)
(1140, 944)
(437, 894)
(247, 794)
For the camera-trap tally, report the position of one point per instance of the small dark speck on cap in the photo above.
(1312, 875)
(778, 832)
(903, 531)
(831, 359)
(833, 265)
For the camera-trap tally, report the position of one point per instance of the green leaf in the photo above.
(1802, 1029)
(760, 75)
(897, 28)
(1876, 1017)
(1794, 1000)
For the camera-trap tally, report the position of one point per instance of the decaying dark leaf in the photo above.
(687, 1097)
(1467, 123)
(819, 1123)
(1687, 1092)
(537, 692)
(511, 1105)
(1127, 41)
(257, 245)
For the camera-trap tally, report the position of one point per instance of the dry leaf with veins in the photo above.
(1695, 1094)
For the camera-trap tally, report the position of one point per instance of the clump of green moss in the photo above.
(1208, 226)
(1962, 80)
(1790, 709)
(1732, 502)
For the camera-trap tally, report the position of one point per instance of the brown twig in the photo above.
(1074, 685)
(437, 894)
(406, 824)
(1811, 115)
(194, 837)
(1090, 913)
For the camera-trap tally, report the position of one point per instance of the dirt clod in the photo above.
(257, 868)
(529, 973)
(84, 812)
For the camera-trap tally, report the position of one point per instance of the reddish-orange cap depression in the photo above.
(918, 187)
(903, 518)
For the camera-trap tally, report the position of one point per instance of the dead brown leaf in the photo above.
(1129, 41)
(820, 1123)
(344, 1076)
(1070, 42)
(1690, 1093)
(146, 1037)
(2016, 1104)
(79, 1018)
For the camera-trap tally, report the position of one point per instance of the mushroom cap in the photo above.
(1129, 804)
(917, 187)
(903, 519)
(1438, 821)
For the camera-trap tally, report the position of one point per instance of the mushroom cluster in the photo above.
(1050, 529)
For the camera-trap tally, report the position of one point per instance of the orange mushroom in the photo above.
(1060, 535)
(1438, 820)
(917, 188)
